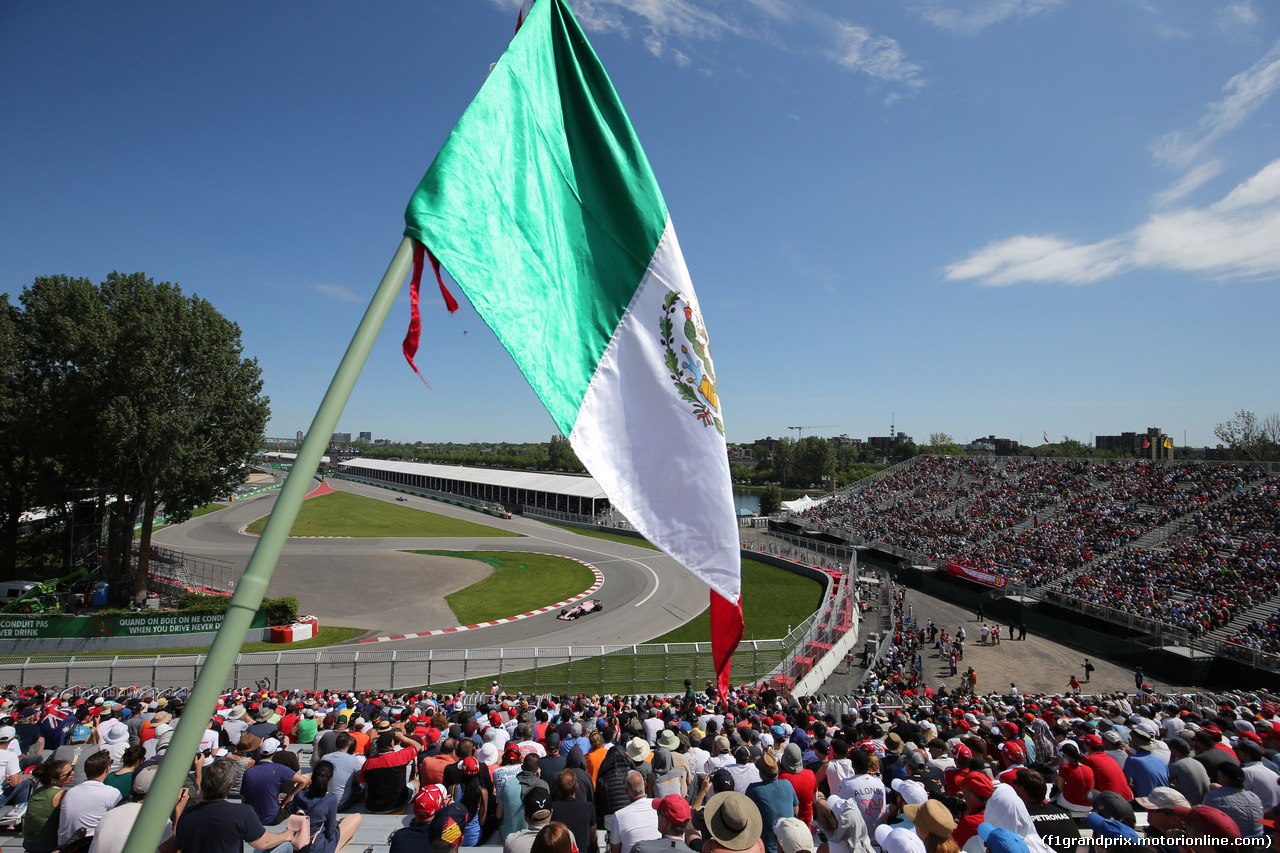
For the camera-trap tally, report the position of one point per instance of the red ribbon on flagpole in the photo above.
(411, 338)
(726, 633)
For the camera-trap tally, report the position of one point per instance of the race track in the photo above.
(371, 584)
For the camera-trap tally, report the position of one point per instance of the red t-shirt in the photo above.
(966, 828)
(1077, 781)
(1107, 775)
(806, 785)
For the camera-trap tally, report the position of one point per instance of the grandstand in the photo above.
(1187, 548)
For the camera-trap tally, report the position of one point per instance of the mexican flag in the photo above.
(543, 208)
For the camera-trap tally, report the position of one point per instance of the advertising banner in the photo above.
(976, 575)
(122, 625)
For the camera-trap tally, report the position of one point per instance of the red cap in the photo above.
(978, 783)
(428, 801)
(961, 752)
(1014, 749)
(1093, 741)
(470, 766)
(674, 808)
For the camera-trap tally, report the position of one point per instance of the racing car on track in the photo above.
(591, 605)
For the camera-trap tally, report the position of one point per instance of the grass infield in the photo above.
(345, 514)
(519, 583)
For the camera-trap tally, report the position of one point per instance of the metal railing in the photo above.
(614, 668)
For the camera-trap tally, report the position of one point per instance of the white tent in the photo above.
(803, 504)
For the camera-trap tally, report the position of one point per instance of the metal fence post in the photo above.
(635, 662)
(67, 676)
(755, 658)
(465, 657)
(276, 680)
(666, 665)
(111, 671)
(602, 668)
(155, 665)
(315, 673)
(569, 678)
(235, 672)
(393, 670)
(500, 651)
(23, 673)
(355, 669)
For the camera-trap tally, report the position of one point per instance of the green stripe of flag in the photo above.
(543, 207)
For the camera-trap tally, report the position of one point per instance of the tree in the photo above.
(771, 499)
(560, 455)
(1250, 437)
(148, 395)
(784, 458)
(939, 439)
(815, 459)
(904, 451)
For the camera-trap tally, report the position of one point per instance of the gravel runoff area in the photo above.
(1037, 664)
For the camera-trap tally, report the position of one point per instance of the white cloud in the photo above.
(338, 292)
(972, 16)
(858, 49)
(1233, 238)
(786, 24)
(1189, 182)
(1237, 15)
(1246, 93)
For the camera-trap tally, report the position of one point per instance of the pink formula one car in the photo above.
(591, 605)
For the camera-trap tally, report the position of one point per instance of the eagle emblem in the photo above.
(690, 368)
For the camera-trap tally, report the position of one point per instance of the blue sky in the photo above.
(969, 216)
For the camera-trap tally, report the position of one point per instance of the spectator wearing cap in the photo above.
(800, 778)
(1144, 769)
(976, 788)
(235, 724)
(215, 824)
(733, 823)
(16, 787)
(1232, 799)
(906, 792)
(1107, 775)
(1075, 779)
(636, 821)
(1208, 747)
(673, 822)
(413, 837)
(774, 797)
(1000, 840)
(508, 793)
(1112, 817)
(1185, 773)
(269, 786)
(474, 796)
(386, 775)
(898, 839)
(537, 814)
(444, 833)
(579, 815)
(577, 737)
(611, 780)
(1161, 807)
(1006, 810)
(551, 762)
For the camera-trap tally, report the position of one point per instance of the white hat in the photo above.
(270, 746)
(895, 839)
(793, 835)
(912, 791)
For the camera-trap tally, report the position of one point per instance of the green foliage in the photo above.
(560, 455)
(126, 390)
(905, 450)
(1250, 437)
(770, 500)
(815, 460)
(280, 611)
(347, 514)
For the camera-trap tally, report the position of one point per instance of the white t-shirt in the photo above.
(635, 822)
(83, 806)
(115, 826)
(867, 792)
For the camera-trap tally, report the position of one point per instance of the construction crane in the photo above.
(800, 429)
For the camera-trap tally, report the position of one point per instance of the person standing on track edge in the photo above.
(1138, 680)
(1088, 670)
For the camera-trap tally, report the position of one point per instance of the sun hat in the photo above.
(637, 749)
(768, 766)
(792, 759)
(668, 740)
(793, 835)
(143, 779)
(733, 821)
(933, 817)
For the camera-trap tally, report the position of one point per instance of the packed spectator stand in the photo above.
(895, 767)
(1187, 545)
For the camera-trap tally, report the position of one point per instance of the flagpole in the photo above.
(252, 586)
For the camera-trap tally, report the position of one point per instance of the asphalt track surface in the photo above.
(370, 583)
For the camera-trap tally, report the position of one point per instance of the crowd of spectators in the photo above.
(757, 770)
(1075, 528)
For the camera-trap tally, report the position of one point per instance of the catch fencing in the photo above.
(646, 668)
